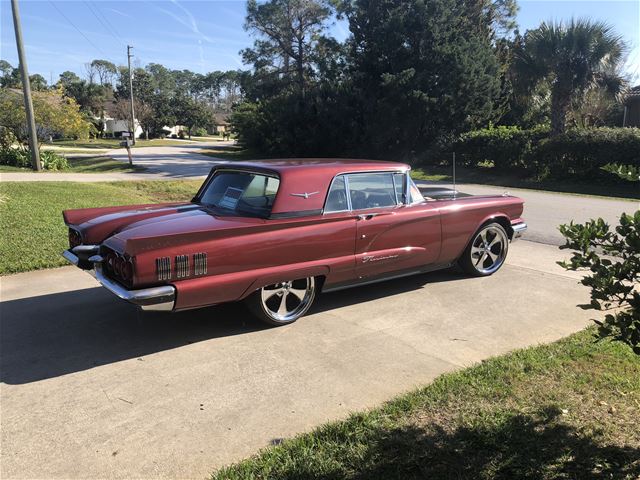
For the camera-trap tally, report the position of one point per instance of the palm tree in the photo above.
(573, 56)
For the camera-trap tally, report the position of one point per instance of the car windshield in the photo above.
(241, 193)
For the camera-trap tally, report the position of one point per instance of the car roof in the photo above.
(325, 165)
(309, 175)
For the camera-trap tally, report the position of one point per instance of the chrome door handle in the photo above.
(367, 216)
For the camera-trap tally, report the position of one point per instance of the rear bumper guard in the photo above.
(518, 230)
(160, 298)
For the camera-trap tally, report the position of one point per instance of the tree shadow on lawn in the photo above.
(516, 447)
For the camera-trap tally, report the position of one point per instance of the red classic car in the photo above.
(276, 232)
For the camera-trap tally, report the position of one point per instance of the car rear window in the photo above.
(241, 193)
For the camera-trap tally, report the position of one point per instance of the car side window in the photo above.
(371, 190)
(337, 196)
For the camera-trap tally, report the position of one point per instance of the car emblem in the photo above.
(303, 195)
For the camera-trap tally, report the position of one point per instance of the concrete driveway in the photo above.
(90, 388)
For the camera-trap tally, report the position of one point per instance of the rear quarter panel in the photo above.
(462, 217)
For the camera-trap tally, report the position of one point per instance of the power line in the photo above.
(106, 19)
(78, 30)
(106, 27)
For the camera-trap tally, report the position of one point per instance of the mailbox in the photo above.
(126, 143)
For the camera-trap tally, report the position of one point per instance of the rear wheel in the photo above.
(486, 252)
(284, 302)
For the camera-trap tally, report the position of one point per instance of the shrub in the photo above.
(579, 152)
(15, 157)
(19, 157)
(583, 152)
(503, 146)
(200, 132)
(53, 161)
(614, 261)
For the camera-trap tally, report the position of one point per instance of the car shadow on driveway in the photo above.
(51, 335)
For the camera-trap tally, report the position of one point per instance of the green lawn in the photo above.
(606, 186)
(97, 164)
(34, 234)
(568, 410)
(232, 152)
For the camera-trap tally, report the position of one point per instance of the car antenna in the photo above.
(454, 174)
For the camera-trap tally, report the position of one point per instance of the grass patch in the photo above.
(100, 164)
(606, 187)
(566, 410)
(231, 152)
(33, 233)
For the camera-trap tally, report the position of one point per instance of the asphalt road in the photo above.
(545, 211)
(90, 388)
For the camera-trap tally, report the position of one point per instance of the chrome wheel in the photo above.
(285, 302)
(489, 249)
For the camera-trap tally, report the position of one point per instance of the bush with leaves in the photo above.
(504, 146)
(613, 257)
(53, 161)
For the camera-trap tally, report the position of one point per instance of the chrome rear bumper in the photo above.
(160, 298)
(518, 230)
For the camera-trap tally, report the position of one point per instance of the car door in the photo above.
(393, 233)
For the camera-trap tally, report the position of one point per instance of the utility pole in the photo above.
(26, 89)
(133, 116)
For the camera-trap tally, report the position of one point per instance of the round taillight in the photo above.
(119, 261)
(75, 238)
(111, 261)
(127, 270)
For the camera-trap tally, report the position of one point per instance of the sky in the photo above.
(203, 36)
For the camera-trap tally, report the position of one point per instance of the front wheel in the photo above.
(486, 252)
(284, 302)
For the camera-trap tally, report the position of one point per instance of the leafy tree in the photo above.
(288, 32)
(54, 115)
(105, 71)
(38, 82)
(10, 76)
(420, 69)
(192, 113)
(68, 77)
(572, 57)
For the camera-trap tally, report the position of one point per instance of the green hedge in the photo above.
(584, 152)
(580, 152)
(503, 146)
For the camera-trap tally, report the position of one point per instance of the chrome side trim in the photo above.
(155, 298)
(518, 230)
(182, 266)
(199, 263)
(163, 268)
(70, 257)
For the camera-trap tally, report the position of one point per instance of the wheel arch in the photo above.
(319, 272)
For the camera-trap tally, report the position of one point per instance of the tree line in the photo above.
(413, 74)
(162, 96)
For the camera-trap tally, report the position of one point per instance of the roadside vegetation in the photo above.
(564, 410)
(34, 234)
(97, 164)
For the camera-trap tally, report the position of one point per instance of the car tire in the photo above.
(284, 302)
(486, 251)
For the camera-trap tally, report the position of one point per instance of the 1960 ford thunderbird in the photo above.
(275, 233)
